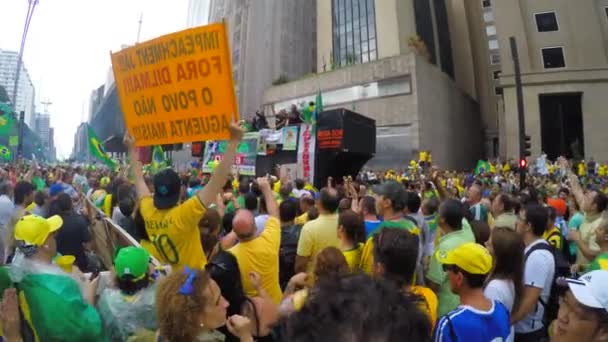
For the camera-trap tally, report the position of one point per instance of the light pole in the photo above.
(30, 11)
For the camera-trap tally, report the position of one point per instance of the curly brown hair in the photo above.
(330, 262)
(179, 315)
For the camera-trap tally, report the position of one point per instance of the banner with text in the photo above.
(306, 153)
(244, 160)
(177, 88)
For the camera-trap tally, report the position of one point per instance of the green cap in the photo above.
(131, 261)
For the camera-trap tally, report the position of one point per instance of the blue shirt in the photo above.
(472, 325)
(370, 227)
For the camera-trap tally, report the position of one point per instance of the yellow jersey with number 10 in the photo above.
(174, 232)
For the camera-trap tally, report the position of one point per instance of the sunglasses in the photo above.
(451, 268)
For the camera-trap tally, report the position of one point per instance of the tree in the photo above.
(3, 95)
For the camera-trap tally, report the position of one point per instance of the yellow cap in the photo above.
(469, 257)
(34, 230)
(105, 181)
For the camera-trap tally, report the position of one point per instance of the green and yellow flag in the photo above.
(98, 151)
(158, 157)
(7, 120)
(5, 152)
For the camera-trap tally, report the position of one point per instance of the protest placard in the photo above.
(177, 88)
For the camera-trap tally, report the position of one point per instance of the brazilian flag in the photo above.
(98, 151)
(5, 153)
(158, 157)
(482, 167)
(7, 119)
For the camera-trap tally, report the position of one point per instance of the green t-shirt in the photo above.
(230, 207)
(599, 263)
(448, 301)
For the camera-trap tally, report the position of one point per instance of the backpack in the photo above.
(565, 247)
(288, 253)
(562, 270)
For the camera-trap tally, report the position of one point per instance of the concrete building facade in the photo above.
(393, 61)
(26, 93)
(563, 51)
(271, 42)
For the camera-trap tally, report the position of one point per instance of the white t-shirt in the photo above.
(503, 291)
(538, 272)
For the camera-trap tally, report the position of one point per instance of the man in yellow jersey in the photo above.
(173, 227)
(259, 254)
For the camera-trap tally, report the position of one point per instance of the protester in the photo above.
(307, 203)
(351, 233)
(539, 271)
(476, 208)
(453, 234)
(131, 306)
(390, 203)
(505, 281)
(358, 309)
(477, 318)
(173, 227)
(259, 253)
(48, 291)
(329, 264)
(395, 259)
(74, 237)
(601, 261)
(290, 234)
(367, 208)
(502, 211)
(593, 203)
(583, 312)
(190, 306)
(320, 233)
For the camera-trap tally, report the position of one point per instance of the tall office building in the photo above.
(95, 100)
(563, 52)
(272, 42)
(398, 62)
(42, 127)
(26, 94)
(198, 13)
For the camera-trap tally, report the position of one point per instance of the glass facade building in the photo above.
(354, 32)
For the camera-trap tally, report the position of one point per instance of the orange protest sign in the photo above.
(177, 88)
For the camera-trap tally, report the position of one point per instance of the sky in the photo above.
(68, 47)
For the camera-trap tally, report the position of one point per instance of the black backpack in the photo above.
(287, 253)
(562, 270)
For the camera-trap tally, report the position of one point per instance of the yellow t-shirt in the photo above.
(174, 232)
(260, 255)
(367, 257)
(317, 235)
(430, 302)
(353, 257)
(301, 220)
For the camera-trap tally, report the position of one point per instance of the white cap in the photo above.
(591, 289)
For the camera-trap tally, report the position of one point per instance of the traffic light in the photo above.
(527, 146)
(523, 163)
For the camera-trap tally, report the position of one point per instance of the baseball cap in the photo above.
(34, 230)
(131, 261)
(590, 289)
(105, 181)
(166, 189)
(469, 257)
(393, 191)
(55, 189)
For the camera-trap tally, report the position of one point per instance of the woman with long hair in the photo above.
(190, 306)
(505, 282)
(351, 233)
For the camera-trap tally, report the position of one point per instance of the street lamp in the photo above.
(28, 18)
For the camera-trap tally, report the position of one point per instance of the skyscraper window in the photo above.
(354, 32)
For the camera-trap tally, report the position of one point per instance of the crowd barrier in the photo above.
(108, 236)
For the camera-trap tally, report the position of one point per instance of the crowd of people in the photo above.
(413, 255)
